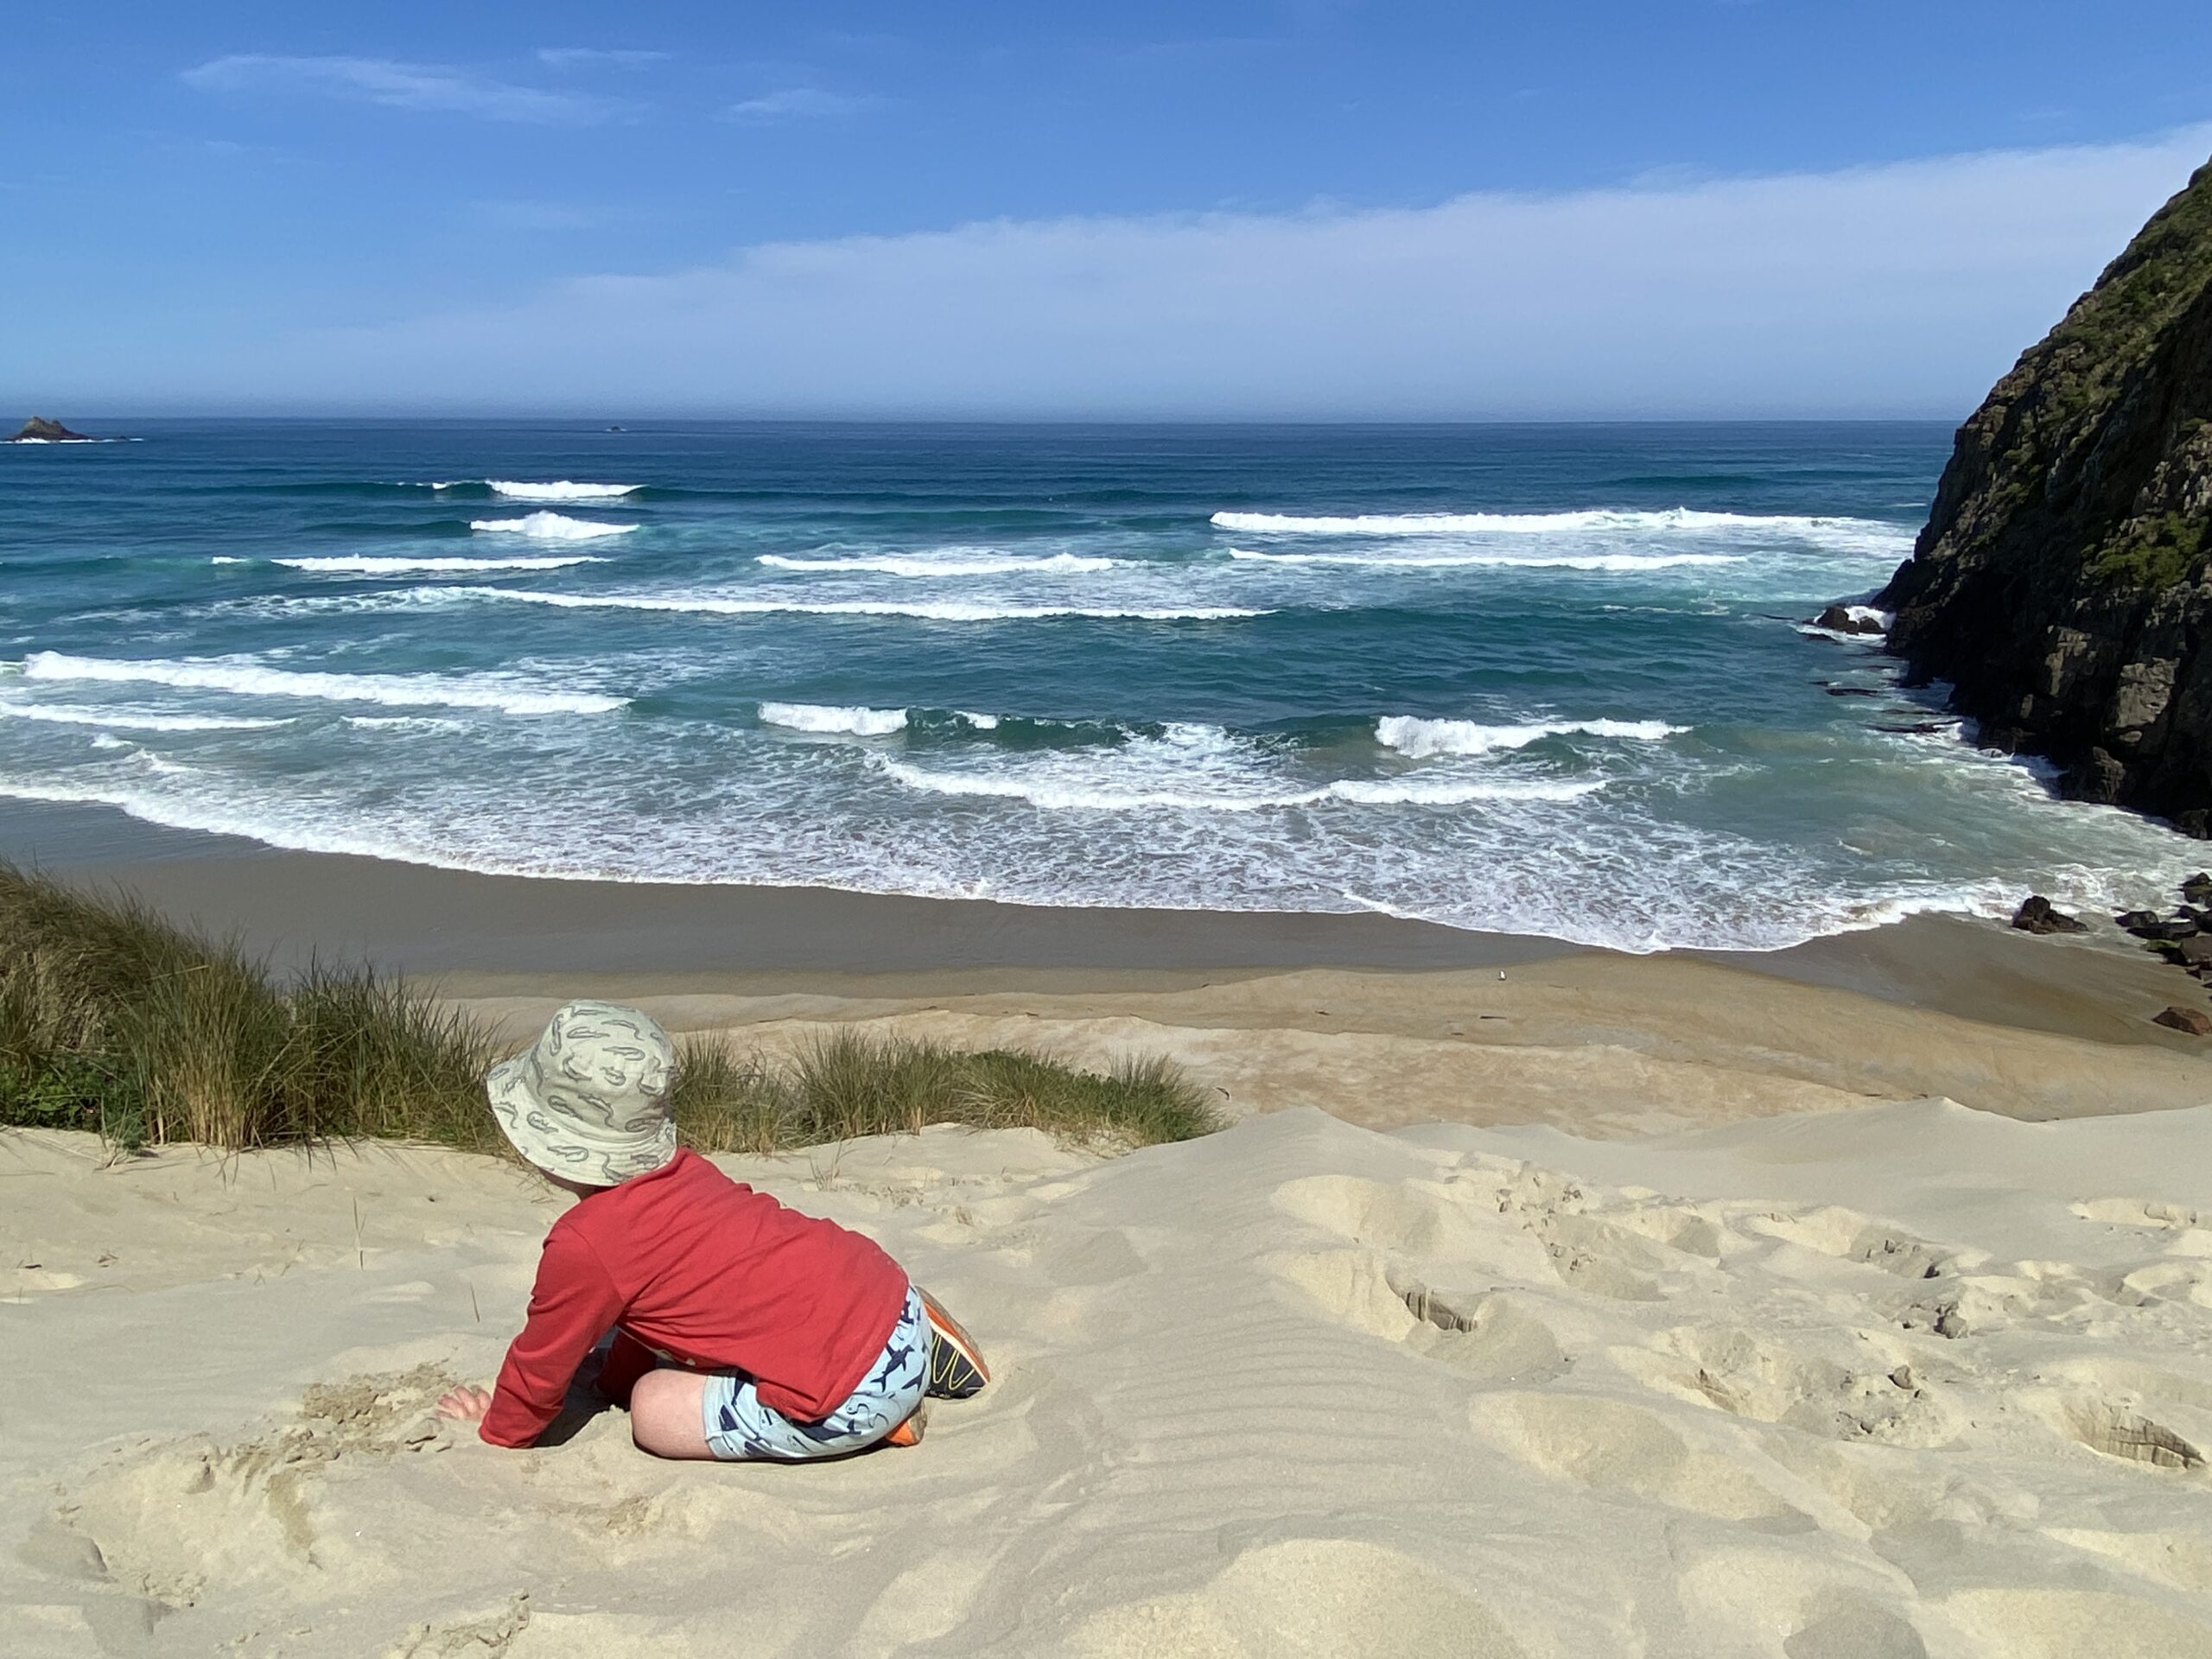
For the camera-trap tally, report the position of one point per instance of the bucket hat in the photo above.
(589, 1100)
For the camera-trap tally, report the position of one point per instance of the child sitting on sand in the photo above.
(741, 1328)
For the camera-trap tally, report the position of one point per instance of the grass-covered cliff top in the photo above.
(2080, 364)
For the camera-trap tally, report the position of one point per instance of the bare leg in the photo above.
(665, 1414)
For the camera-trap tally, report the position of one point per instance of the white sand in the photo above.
(1901, 1379)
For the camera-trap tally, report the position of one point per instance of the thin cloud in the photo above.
(1903, 289)
(396, 85)
(795, 103)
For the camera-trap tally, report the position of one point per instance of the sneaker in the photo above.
(910, 1431)
(957, 1367)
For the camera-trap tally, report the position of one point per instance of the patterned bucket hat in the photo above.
(589, 1099)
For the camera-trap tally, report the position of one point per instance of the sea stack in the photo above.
(39, 429)
(2060, 584)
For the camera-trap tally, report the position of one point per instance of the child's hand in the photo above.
(465, 1404)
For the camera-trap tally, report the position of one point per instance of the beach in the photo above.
(1680, 1266)
(1658, 1205)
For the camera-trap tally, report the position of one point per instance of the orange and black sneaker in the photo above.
(910, 1431)
(957, 1367)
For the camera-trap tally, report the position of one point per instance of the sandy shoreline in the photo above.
(1379, 1020)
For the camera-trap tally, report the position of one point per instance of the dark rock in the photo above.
(2197, 889)
(2060, 582)
(2174, 928)
(2141, 923)
(1852, 691)
(1848, 618)
(2099, 778)
(1918, 728)
(2035, 915)
(39, 429)
(2195, 1022)
(2195, 952)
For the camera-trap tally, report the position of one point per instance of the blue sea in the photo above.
(1548, 679)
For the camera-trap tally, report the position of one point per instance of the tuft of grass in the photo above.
(115, 1020)
(846, 1084)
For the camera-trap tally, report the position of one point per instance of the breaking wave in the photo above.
(825, 718)
(559, 489)
(551, 527)
(924, 610)
(1867, 533)
(949, 563)
(1457, 560)
(1422, 739)
(243, 677)
(1056, 791)
(365, 565)
(132, 720)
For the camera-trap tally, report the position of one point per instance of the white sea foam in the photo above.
(1424, 738)
(364, 565)
(551, 527)
(1854, 532)
(243, 677)
(948, 561)
(1057, 792)
(826, 718)
(1881, 619)
(924, 610)
(132, 720)
(1459, 559)
(405, 723)
(981, 722)
(559, 490)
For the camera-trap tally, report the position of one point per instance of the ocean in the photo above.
(1537, 679)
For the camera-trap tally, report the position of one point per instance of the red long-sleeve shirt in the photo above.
(702, 1268)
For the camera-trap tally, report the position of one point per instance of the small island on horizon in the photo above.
(39, 429)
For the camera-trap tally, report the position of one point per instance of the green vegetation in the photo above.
(2150, 553)
(2083, 363)
(115, 1021)
(848, 1084)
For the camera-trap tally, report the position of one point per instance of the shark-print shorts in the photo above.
(739, 1427)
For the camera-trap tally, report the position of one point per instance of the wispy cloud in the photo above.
(795, 103)
(398, 85)
(576, 57)
(1898, 288)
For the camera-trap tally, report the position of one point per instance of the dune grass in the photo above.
(116, 1020)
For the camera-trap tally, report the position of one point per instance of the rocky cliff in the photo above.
(2061, 583)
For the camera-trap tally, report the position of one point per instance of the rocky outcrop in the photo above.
(2060, 585)
(2036, 914)
(39, 429)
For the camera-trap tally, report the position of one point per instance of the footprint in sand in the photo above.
(173, 1519)
(1746, 1375)
(1619, 1450)
(1304, 1598)
(1487, 1335)
(2135, 1413)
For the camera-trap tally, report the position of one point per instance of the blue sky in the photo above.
(1309, 208)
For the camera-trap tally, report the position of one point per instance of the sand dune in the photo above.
(1903, 1379)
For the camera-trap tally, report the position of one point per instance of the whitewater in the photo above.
(1552, 680)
